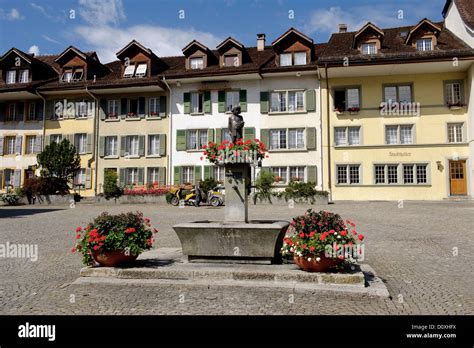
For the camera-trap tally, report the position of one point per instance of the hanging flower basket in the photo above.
(249, 151)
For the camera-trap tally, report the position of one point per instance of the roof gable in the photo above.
(133, 45)
(425, 22)
(193, 46)
(70, 50)
(292, 32)
(229, 42)
(369, 27)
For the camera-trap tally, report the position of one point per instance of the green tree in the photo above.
(111, 189)
(59, 163)
(264, 186)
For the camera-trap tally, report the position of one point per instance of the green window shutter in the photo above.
(123, 145)
(123, 107)
(122, 176)
(177, 175)
(141, 107)
(88, 178)
(249, 133)
(18, 145)
(162, 138)
(207, 102)
(49, 112)
(181, 140)
(101, 146)
(39, 114)
(2, 118)
(162, 175)
(89, 142)
(163, 106)
(141, 145)
(265, 137)
(311, 138)
(21, 111)
(207, 172)
(218, 135)
(310, 100)
(243, 100)
(103, 109)
(197, 175)
(264, 102)
(141, 176)
(210, 135)
(221, 101)
(187, 103)
(312, 174)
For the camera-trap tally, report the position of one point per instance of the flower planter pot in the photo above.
(322, 265)
(455, 108)
(113, 258)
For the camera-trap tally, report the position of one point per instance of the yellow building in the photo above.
(394, 113)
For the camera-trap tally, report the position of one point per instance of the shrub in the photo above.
(124, 232)
(52, 186)
(11, 198)
(111, 189)
(302, 192)
(264, 186)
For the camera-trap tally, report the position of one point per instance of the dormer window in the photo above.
(11, 76)
(129, 71)
(196, 63)
(141, 70)
(300, 58)
(369, 48)
(286, 59)
(24, 75)
(424, 45)
(67, 75)
(72, 74)
(231, 60)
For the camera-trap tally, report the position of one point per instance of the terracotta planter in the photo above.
(323, 265)
(113, 258)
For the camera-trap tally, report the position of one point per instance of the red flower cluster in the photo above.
(140, 191)
(215, 153)
(130, 230)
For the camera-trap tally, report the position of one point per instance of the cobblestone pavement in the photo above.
(423, 251)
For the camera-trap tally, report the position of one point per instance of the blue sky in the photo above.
(105, 26)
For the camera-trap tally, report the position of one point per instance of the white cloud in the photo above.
(107, 40)
(50, 39)
(34, 49)
(101, 12)
(49, 13)
(12, 15)
(327, 21)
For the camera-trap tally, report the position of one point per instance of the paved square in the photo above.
(423, 251)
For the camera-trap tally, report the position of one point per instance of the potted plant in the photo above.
(339, 110)
(114, 240)
(353, 110)
(320, 241)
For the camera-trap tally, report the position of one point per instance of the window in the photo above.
(81, 109)
(11, 76)
(278, 139)
(111, 146)
(392, 173)
(455, 132)
(400, 94)
(421, 173)
(131, 176)
(132, 145)
(154, 107)
(424, 45)
(129, 70)
(226, 135)
(232, 99)
(9, 177)
(154, 145)
(24, 76)
(196, 102)
(81, 143)
(141, 70)
(196, 63)
(347, 99)
(153, 176)
(30, 144)
(453, 93)
(300, 58)
(392, 134)
(287, 101)
(347, 136)
(296, 173)
(196, 139)
(380, 174)
(231, 60)
(31, 112)
(133, 108)
(348, 174)
(415, 173)
(296, 138)
(295, 101)
(55, 138)
(112, 108)
(67, 75)
(218, 173)
(10, 145)
(369, 48)
(281, 176)
(286, 59)
(80, 177)
(77, 74)
(410, 174)
(11, 115)
(187, 175)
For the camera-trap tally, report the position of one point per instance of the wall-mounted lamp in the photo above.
(440, 166)
(298, 74)
(178, 84)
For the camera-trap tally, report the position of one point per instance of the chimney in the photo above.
(343, 28)
(260, 42)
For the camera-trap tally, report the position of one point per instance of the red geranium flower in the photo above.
(343, 233)
(361, 237)
(130, 230)
(79, 229)
(312, 248)
(302, 234)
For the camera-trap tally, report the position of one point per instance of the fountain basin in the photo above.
(257, 241)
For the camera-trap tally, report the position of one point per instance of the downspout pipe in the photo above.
(170, 133)
(321, 157)
(96, 135)
(328, 129)
(44, 116)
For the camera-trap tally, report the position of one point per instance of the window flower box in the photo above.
(153, 114)
(112, 115)
(455, 106)
(339, 111)
(131, 115)
(353, 111)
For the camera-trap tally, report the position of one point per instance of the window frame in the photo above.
(8, 80)
(461, 124)
(156, 111)
(348, 179)
(399, 133)
(189, 175)
(401, 174)
(115, 106)
(155, 143)
(280, 171)
(20, 75)
(198, 131)
(424, 46)
(346, 135)
(397, 86)
(369, 44)
(200, 102)
(346, 97)
(106, 147)
(461, 92)
(287, 101)
(130, 144)
(193, 59)
(235, 92)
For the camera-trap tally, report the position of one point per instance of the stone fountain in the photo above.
(236, 239)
